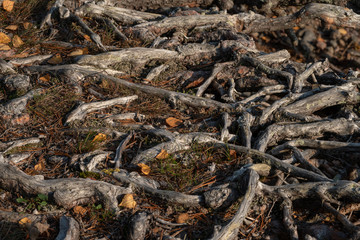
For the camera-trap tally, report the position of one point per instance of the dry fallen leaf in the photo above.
(99, 137)
(45, 78)
(57, 59)
(79, 210)
(4, 38)
(27, 25)
(182, 218)
(195, 83)
(128, 201)
(8, 5)
(87, 38)
(12, 27)
(21, 120)
(162, 155)
(39, 167)
(76, 52)
(16, 41)
(145, 169)
(173, 122)
(24, 221)
(232, 153)
(342, 31)
(4, 47)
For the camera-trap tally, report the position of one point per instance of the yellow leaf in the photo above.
(4, 38)
(16, 41)
(342, 31)
(162, 155)
(57, 59)
(99, 137)
(4, 47)
(39, 167)
(27, 25)
(79, 210)
(128, 201)
(8, 5)
(145, 169)
(77, 52)
(182, 218)
(24, 221)
(45, 78)
(12, 27)
(173, 122)
(87, 38)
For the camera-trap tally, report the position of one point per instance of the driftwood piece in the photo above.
(274, 162)
(87, 162)
(287, 217)
(315, 67)
(8, 146)
(267, 70)
(139, 224)
(121, 15)
(277, 132)
(120, 149)
(345, 190)
(30, 60)
(245, 122)
(318, 144)
(344, 94)
(138, 56)
(135, 178)
(67, 192)
(80, 112)
(180, 142)
(69, 229)
(168, 196)
(300, 158)
(230, 231)
(264, 91)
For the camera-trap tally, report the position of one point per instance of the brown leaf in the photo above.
(4, 38)
(4, 47)
(173, 122)
(145, 169)
(12, 27)
(76, 52)
(8, 5)
(16, 41)
(39, 167)
(24, 220)
(128, 201)
(27, 25)
(182, 218)
(21, 120)
(232, 153)
(79, 210)
(45, 78)
(87, 38)
(162, 155)
(57, 59)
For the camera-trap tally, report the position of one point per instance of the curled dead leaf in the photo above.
(4, 38)
(145, 169)
(56, 59)
(39, 167)
(12, 27)
(76, 52)
(162, 155)
(173, 122)
(8, 5)
(182, 218)
(17, 42)
(128, 201)
(24, 220)
(45, 78)
(79, 210)
(4, 47)
(27, 25)
(342, 31)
